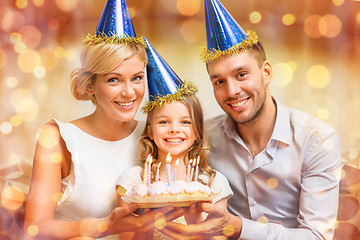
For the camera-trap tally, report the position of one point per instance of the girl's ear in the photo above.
(150, 133)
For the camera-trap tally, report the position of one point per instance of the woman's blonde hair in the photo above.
(101, 59)
(200, 147)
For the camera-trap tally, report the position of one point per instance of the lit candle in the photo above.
(176, 164)
(192, 169)
(188, 170)
(197, 169)
(158, 172)
(145, 178)
(149, 171)
(168, 160)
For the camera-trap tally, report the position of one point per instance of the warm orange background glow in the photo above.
(313, 46)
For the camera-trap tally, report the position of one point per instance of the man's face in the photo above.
(240, 86)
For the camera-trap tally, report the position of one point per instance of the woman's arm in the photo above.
(51, 162)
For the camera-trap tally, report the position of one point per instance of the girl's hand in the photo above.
(193, 214)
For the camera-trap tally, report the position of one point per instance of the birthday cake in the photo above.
(179, 193)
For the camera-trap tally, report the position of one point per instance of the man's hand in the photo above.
(219, 222)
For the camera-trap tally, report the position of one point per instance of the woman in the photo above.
(76, 164)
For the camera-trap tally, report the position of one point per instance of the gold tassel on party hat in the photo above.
(187, 88)
(216, 54)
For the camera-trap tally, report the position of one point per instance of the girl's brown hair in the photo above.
(200, 148)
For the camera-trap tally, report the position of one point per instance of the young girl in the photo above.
(174, 125)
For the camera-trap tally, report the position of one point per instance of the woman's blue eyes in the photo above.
(116, 80)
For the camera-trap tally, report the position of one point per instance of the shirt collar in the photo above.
(282, 129)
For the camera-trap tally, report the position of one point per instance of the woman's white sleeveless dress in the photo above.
(89, 190)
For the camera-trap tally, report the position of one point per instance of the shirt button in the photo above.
(253, 203)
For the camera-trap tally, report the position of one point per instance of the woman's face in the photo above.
(172, 130)
(119, 93)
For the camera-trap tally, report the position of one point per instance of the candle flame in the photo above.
(159, 165)
(148, 158)
(168, 158)
(198, 160)
(177, 162)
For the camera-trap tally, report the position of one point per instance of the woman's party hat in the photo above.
(115, 26)
(225, 37)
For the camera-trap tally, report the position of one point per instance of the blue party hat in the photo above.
(115, 26)
(163, 83)
(225, 37)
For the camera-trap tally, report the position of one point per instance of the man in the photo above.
(281, 163)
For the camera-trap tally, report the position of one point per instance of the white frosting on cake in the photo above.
(161, 192)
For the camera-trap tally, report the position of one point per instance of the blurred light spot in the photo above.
(353, 155)
(49, 137)
(323, 113)
(2, 58)
(48, 58)
(102, 226)
(15, 37)
(66, 5)
(337, 172)
(19, 47)
(32, 230)
(11, 82)
(39, 72)
(330, 26)
(329, 144)
(23, 102)
(311, 26)
(42, 89)
(292, 65)
(160, 221)
(31, 36)
(12, 197)
(6, 128)
(228, 230)
(57, 197)
(318, 76)
(283, 73)
(14, 158)
(263, 220)
(21, 4)
(60, 52)
(53, 24)
(338, 2)
(12, 21)
(38, 3)
(188, 7)
(69, 55)
(169, 6)
(191, 30)
(272, 183)
(16, 120)
(255, 17)
(28, 60)
(358, 17)
(288, 19)
(56, 157)
(132, 12)
(343, 173)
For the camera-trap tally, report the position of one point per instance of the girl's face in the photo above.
(119, 93)
(172, 130)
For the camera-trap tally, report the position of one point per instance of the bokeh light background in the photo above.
(313, 46)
